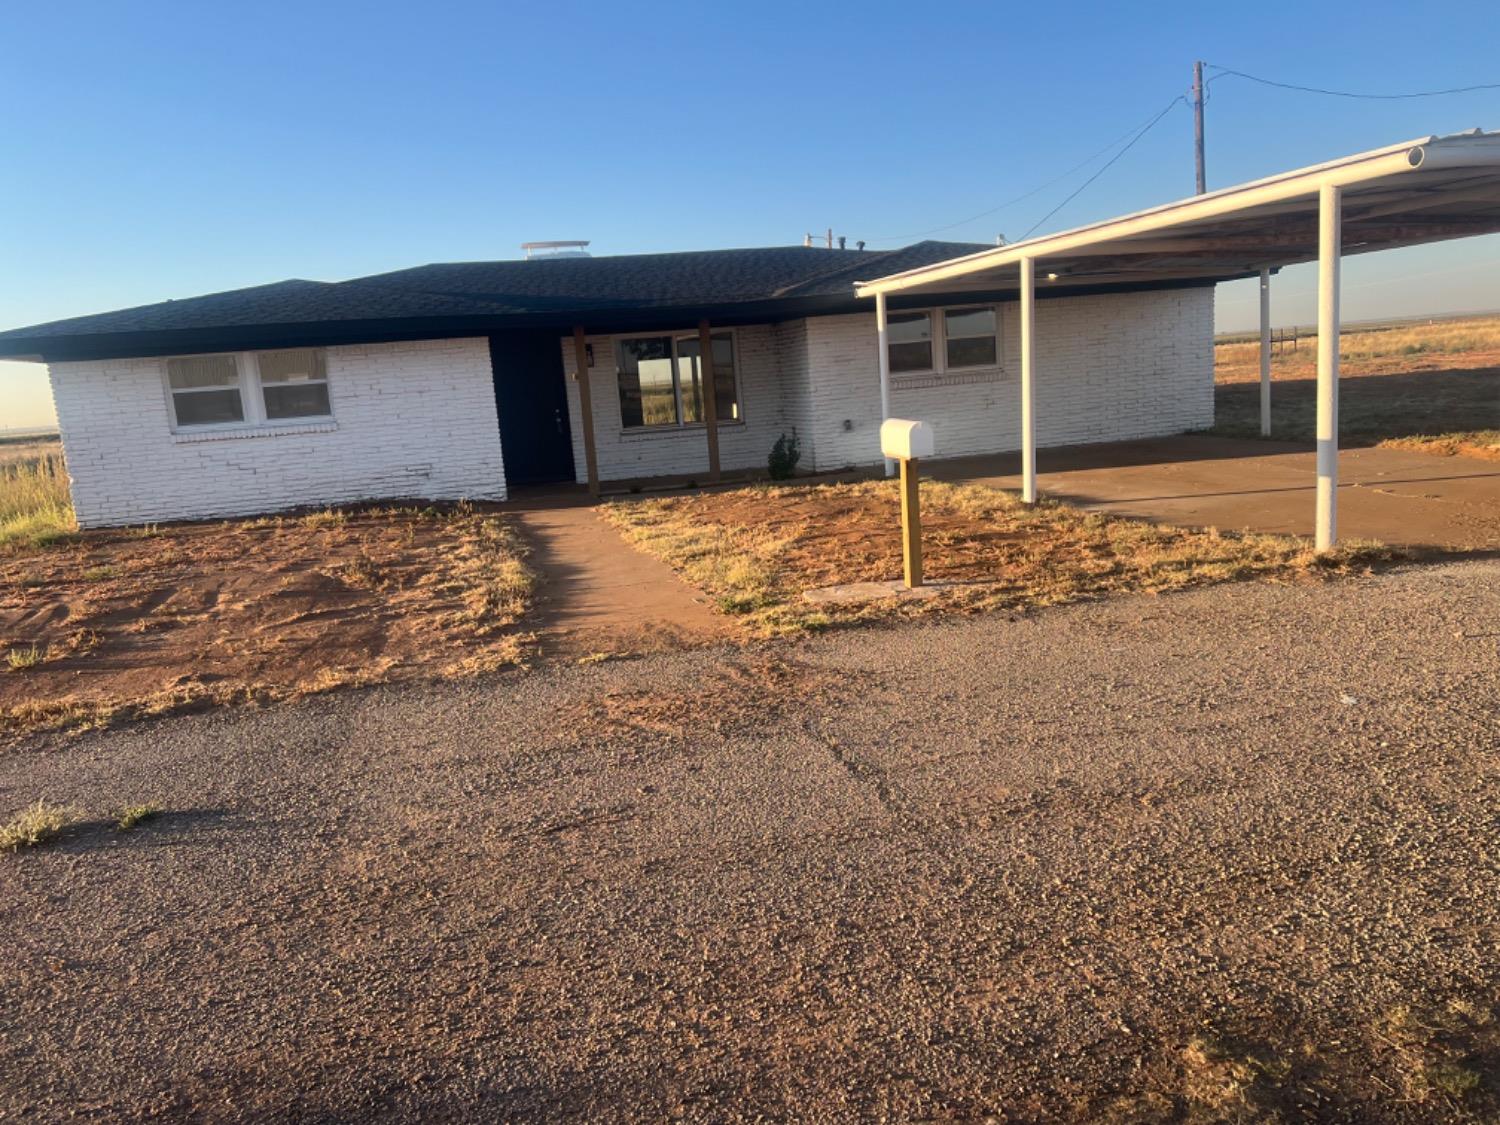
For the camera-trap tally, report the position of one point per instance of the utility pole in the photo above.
(1198, 124)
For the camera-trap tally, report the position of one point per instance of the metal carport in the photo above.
(1420, 191)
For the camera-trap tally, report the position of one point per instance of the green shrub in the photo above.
(784, 457)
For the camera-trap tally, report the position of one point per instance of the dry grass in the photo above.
(756, 550)
(132, 815)
(19, 659)
(121, 625)
(1431, 388)
(33, 825)
(35, 508)
(1483, 444)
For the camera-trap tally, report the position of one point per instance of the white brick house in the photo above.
(450, 382)
(1117, 367)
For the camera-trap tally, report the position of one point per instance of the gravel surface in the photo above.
(1228, 854)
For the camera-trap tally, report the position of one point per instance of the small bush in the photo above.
(20, 659)
(131, 815)
(33, 825)
(784, 457)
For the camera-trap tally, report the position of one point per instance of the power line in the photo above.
(1224, 70)
(1144, 130)
(1132, 135)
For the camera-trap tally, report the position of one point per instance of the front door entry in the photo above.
(532, 401)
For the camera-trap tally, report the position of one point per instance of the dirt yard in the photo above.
(1433, 388)
(759, 549)
(144, 621)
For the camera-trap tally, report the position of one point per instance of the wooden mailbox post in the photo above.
(907, 442)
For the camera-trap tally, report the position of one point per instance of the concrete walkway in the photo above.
(599, 594)
(1397, 497)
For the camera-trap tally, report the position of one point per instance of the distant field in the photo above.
(19, 450)
(1433, 387)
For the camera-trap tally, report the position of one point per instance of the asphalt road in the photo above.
(1187, 857)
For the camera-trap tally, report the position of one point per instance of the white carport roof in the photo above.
(1419, 191)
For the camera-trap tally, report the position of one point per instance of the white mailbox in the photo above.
(903, 440)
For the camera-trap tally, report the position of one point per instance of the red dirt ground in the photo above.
(242, 609)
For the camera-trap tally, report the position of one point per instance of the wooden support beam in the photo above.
(710, 397)
(911, 524)
(586, 406)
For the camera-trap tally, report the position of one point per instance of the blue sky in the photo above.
(165, 150)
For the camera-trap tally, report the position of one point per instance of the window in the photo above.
(726, 401)
(248, 388)
(661, 381)
(939, 341)
(205, 390)
(294, 383)
(910, 336)
(970, 337)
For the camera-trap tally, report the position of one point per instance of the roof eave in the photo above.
(1430, 152)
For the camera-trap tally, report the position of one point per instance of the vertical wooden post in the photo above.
(710, 397)
(911, 524)
(1201, 178)
(586, 406)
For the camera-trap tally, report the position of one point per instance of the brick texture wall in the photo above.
(1109, 368)
(411, 420)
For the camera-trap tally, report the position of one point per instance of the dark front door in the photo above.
(532, 401)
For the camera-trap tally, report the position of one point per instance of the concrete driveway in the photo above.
(1397, 497)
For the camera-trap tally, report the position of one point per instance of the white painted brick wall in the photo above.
(625, 454)
(411, 420)
(1109, 368)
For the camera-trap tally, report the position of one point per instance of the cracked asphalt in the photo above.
(1021, 867)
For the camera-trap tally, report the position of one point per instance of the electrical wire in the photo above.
(1076, 192)
(1224, 70)
(1132, 135)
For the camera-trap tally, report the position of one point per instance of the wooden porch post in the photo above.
(710, 398)
(586, 406)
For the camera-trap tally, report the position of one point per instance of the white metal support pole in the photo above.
(1265, 353)
(1329, 249)
(1028, 374)
(882, 335)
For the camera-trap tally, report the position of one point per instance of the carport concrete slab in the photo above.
(1395, 496)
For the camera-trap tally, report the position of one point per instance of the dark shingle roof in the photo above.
(487, 295)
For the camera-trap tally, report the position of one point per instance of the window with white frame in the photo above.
(661, 381)
(249, 388)
(935, 341)
(909, 337)
(293, 383)
(205, 390)
(969, 337)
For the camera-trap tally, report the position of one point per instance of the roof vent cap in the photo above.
(567, 248)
